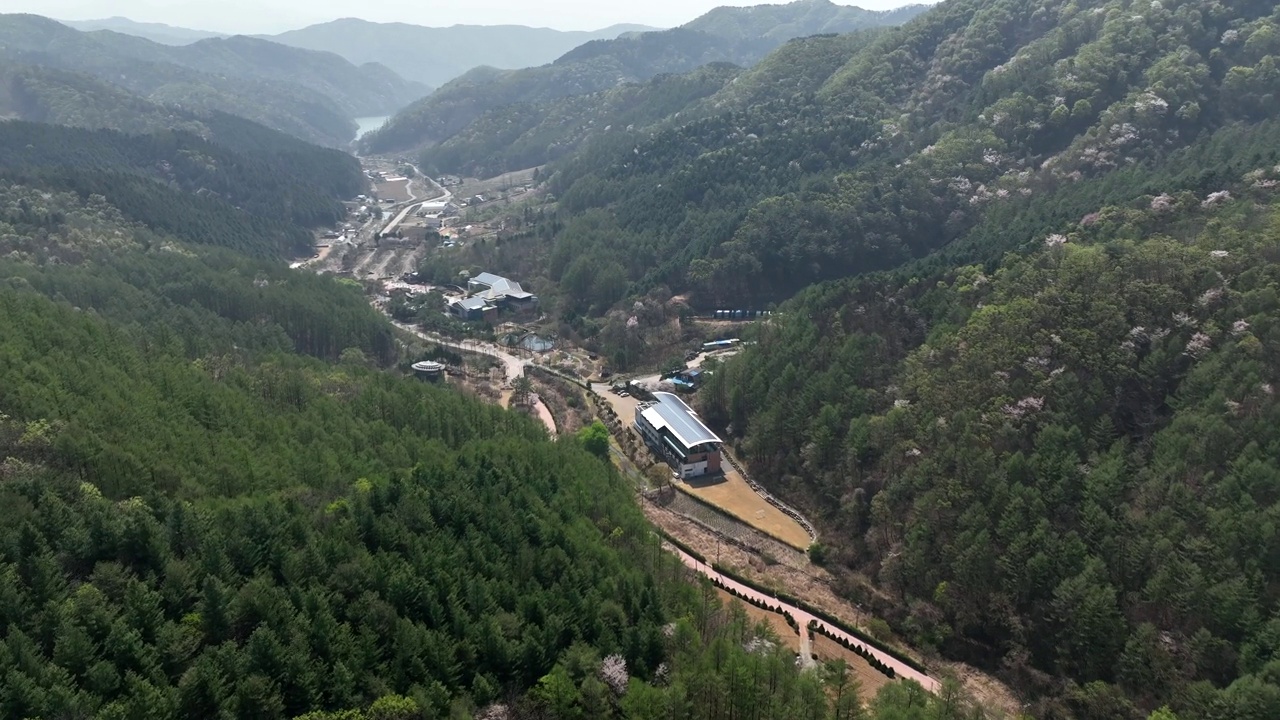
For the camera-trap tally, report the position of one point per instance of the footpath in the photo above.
(803, 619)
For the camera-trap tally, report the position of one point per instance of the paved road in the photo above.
(514, 366)
(803, 619)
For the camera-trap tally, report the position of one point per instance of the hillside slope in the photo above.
(435, 55)
(604, 64)
(251, 189)
(796, 19)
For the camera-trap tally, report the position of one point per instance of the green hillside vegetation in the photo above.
(49, 95)
(436, 55)
(591, 68)
(523, 135)
(254, 194)
(603, 64)
(1065, 463)
(307, 94)
(216, 505)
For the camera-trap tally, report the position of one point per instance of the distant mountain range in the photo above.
(435, 56)
(429, 55)
(312, 95)
(740, 36)
(155, 32)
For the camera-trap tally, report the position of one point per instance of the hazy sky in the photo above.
(269, 16)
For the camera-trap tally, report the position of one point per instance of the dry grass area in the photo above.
(790, 638)
(566, 401)
(473, 186)
(869, 679)
(398, 191)
(733, 495)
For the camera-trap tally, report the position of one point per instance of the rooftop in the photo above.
(472, 303)
(669, 411)
(499, 287)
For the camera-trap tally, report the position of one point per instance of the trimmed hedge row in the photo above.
(861, 650)
(837, 623)
(827, 618)
(757, 603)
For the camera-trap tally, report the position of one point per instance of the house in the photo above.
(471, 308)
(688, 379)
(442, 207)
(675, 433)
(501, 292)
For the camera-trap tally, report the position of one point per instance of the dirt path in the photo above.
(803, 619)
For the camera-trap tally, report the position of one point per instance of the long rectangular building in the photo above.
(673, 430)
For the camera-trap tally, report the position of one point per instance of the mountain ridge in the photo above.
(310, 94)
(601, 64)
(436, 55)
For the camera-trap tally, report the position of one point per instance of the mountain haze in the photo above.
(436, 55)
(155, 32)
(603, 64)
(310, 94)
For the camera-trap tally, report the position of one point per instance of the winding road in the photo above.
(803, 619)
(513, 366)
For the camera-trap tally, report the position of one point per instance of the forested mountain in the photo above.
(308, 94)
(605, 64)
(59, 97)
(155, 32)
(217, 503)
(1065, 463)
(523, 135)
(436, 55)
(250, 188)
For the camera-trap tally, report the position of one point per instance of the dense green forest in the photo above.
(1061, 464)
(474, 103)
(308, 94)
(523, 135)
(247, 188)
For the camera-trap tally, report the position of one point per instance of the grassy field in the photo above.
(733, 495)
(398, 191)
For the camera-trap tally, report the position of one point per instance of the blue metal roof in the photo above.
(671, 412)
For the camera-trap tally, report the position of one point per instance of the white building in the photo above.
(673, 430)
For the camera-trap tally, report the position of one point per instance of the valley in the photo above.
(795, 361)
